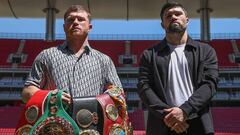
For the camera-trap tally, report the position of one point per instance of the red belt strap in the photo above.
(36, 102)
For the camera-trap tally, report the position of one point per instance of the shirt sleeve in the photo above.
(112, 76)
(146, 90)
(206, 83)
(37, 74)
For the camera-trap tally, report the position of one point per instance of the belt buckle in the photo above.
(116, 129)
(31, 114)
(24, 130)
(85, 118)
(89, 132)
(112, 112)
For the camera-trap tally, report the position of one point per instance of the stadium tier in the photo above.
(226, 120)
(224, 49)
(238, 43)
(113, 48)
(17, 56)
(7, 47)
(33, 47)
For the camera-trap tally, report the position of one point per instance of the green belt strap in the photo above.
(55, 119)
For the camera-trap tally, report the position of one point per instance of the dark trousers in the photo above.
(188, 133)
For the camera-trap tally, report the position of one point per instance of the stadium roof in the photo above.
(116, 9)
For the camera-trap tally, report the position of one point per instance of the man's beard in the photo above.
(176, 28)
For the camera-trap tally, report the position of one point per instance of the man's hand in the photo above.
(180, 127)
(65, 97)
(175, 119)
(28, 92)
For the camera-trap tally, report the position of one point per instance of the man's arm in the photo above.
(150, 98)
(207, 84)
(35, 78)
(112, 76)
(145, 84)
(201, 96)
(28, 91)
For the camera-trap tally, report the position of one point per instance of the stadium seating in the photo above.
(109, 47)
(226, 119)
(137, 119)
(9, 119)
(138, 46)
(112, 48)
(238, 44)
(11, 82)
(33, 47)
(223, 49)
(7, 46)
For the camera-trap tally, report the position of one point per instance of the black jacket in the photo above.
(153, 76)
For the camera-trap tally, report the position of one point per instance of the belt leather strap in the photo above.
(55, 119)
(33, 109)
(105, 100)
(88, 114)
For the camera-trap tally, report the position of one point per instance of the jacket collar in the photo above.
(190, 43)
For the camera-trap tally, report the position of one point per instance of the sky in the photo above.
(27, 25)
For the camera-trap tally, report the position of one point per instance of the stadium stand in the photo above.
(226, 119)
(33, 47)
(7, 47)
(137, 46)
(238, 43)
(223, 49)
(8, 120)
(137, 119)
(109, 47)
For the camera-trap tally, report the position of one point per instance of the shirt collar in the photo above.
(65, 46)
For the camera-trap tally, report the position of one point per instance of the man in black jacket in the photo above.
(177, 79)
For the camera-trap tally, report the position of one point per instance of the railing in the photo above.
(229, 67)
(116, 36)
(120, 68)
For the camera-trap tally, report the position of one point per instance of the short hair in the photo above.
(169, 5)
(76, 8)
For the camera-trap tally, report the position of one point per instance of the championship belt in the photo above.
(112, 120)
(55, 120)
(123, 126)
(88, 114)
(32, 111)
(104, 114)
